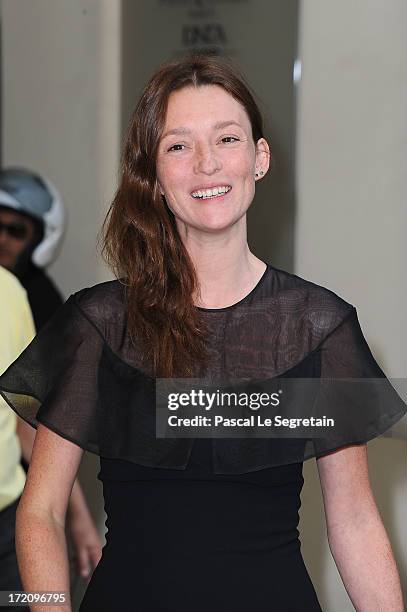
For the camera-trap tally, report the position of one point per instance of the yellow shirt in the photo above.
(16, 332)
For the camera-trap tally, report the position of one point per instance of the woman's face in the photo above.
(207, 143)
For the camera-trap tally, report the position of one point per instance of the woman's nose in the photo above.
(207, 160)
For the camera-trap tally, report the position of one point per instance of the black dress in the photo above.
(193, 540)
(196, 523)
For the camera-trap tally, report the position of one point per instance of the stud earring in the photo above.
(261, 173)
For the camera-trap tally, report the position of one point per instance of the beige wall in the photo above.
(62, 66)
(351, 221)
(61, 89)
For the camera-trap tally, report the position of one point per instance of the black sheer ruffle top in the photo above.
(83, 378)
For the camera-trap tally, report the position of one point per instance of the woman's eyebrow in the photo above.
(183, 130)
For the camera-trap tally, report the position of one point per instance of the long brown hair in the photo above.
(140, 240)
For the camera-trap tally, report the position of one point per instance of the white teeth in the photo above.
(209, 193)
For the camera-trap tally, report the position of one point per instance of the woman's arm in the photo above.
(356, 535)
(40, 519)
(85, 538)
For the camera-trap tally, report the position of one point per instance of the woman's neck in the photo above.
(225, 279)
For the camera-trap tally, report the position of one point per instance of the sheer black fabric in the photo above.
(82, 377)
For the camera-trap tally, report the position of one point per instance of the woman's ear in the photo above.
(262, 156)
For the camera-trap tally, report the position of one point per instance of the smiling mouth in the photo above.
(218, 196)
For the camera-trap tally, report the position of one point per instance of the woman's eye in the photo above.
(232, 137)
(176, 145)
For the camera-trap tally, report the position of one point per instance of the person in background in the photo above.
(16, 437)
(32, 225)
(16, 332)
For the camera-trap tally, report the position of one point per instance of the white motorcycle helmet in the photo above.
(31, 194)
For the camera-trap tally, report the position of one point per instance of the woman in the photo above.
(197, 523)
